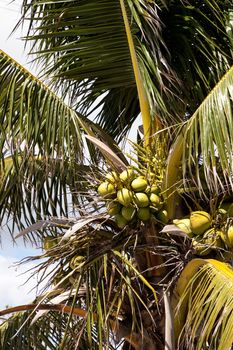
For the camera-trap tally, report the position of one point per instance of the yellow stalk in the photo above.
(143, 100)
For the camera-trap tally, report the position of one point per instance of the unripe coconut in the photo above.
(139, 184)
(105, 189)
(155, 200)
(141, 200)
(113, 208)
(229, 237)
(226, 208)
(223, 213)
(200, 221)
(184, 225)
(50, 242)
(154, 189)
(163, 216)
(76, 261)
(125, 196)
(120, 221)
(128, 212)
(127, 175)
(144, 213)
(112, 177)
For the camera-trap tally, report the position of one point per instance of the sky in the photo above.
(12, 289)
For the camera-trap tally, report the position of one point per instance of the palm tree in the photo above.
(159, 276)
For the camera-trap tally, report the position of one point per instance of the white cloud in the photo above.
(13, 290)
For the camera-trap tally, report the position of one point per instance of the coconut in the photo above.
(120, 221)
(106, 189)
(127, 175)
(200, 221)
(229, 237)
(226, 208)
(125, 196)
(139, 184)
(155, 200)
(113, 208)
(112, 177)
(162, 215)
(128, 212)
(154, 189)
(144, 213)
(184, 225)
(141, 199)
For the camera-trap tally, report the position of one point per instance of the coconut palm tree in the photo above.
(145, 262)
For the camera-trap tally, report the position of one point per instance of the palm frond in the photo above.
(93, 270)
(33, 119)
(208, 140)
(203, 149)
(48, 333)
(92, 58)
(41, 150)
(204, 306)
(182, 52)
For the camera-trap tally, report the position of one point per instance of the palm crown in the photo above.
(143, 262)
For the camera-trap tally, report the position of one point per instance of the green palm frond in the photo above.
(41, 150)
(208, 139)
(48, 333)
(92, 58)
(203, 148)
(204, 309)
(199, 44)
(34, 120)
(182, 52)
(93, 268)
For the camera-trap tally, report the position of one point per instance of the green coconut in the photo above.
(154, 189)
(229, 237)
(200, 221)
(139, 184)
(112, 177)
(105, 189)
(155, 200)
(141, 199)
(162, 215)
(184, 225)
(144, 214)
(113, 208)
(120, 221)
(128, 212)
(127, 175)
(125, 196)
(226, 209)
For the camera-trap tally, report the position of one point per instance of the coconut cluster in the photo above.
(131, 197)
(205, 234)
